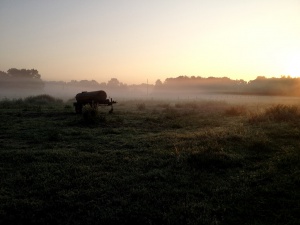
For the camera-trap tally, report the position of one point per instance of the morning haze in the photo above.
(23, 83)
(149, 112)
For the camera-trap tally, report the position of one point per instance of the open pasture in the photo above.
(195, 161)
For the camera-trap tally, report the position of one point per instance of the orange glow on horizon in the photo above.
(135, 41)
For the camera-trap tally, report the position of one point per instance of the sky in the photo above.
(139, 40)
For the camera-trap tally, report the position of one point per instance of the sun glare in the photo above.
(293, 66)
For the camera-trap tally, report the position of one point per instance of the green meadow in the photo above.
(209, 162)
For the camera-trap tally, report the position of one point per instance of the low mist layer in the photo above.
(21, 83)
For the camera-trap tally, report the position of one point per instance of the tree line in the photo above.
(21, 78)
(285, 85)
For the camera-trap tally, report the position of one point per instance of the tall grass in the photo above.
(42, 99)
(276, 113)
(11, 103)
(236, 111)
(31, 100)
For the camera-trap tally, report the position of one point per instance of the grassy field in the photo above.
(150, 162)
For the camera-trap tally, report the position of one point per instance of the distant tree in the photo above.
(123, 85)
(3, 74)
(261, 78)
(21, 78)
(87, 83)
(158, 83)
(24, 73)
(114, 82)
(102, 85)
(285, 85)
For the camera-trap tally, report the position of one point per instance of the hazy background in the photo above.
(136, 40)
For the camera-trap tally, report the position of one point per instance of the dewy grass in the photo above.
(167, 164)
(236, 111)
(276, 113)
(283, 113)
(92, 115)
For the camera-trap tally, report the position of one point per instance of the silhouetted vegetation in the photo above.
(21, 79)
(182, 87)
(42, 99)
(38, 100)
(199, 84)
(284, 86)
(179, 86)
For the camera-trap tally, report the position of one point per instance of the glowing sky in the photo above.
(136, 40)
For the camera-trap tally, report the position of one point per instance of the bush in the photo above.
(42, 99)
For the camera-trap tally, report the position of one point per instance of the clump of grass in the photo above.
(141, 106)
(256, 117)
(42, 99)
(236, 111)
(68, 107)
(282, 113)
(276, 113)
(11, 103)
(91, 115)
